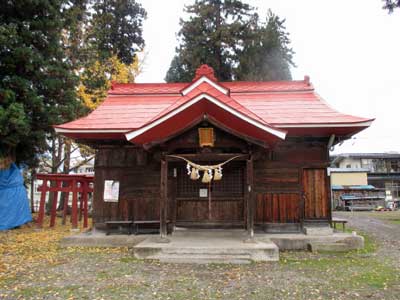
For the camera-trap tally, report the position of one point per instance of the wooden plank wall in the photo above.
(139, 178)
(277, 192)
(316, 194)
(190, 210)
(278, 208)
(279, 185)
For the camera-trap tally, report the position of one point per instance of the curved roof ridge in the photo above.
(322, 100)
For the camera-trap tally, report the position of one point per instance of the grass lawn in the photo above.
(32, 266)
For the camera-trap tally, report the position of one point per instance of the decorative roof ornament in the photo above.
(205, 70)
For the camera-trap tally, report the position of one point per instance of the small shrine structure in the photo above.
(160, 149)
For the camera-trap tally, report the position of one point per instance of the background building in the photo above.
(382, 169)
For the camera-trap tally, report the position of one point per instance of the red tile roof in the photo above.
(278, 104)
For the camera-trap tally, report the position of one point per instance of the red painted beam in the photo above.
(39, 221)
(74, 213)
(54, 206)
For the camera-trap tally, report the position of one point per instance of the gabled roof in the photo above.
(267, 110)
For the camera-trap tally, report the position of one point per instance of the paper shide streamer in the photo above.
(210, 172)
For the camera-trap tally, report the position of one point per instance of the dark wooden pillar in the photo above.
(250, 197)
(163, 197)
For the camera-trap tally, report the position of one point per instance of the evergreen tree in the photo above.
(267, 55)
(37, 87)
(116, 29)
(113, 38)
(228, 36)
(390, 5)
(212, 35)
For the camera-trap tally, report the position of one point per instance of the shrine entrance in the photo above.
(190, 201)
(215, 203)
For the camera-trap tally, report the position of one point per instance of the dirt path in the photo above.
(375, 225)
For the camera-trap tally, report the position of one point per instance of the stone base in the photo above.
(100, 239)
(216, 245)
(203, 247)
(318, 230)
(331, 247)
(302, 242)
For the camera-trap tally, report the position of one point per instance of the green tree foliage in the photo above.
(37, 88)
(76, 17)
(213, 34)
(267, 56)
(111, 42)
(228, 36)
(116, 29)
(390, 5)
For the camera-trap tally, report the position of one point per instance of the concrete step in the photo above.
(318, 230)
(191, 232)
(205, 258)
(334, 247)
(212, 250)
(214, 256)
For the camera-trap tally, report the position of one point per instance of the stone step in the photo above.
(334, 247)
(216, 251)
(318, 230)
(205, 258)
(183, 232)
(213, 257)
(213, 250)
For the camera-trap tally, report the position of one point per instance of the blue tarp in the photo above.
(14, 204)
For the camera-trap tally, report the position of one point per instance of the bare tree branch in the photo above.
(85, 161)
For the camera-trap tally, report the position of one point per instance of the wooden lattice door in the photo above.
(219, 201)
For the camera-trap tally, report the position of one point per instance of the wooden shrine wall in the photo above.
(139, 177)
(278, 183)
(280, 192)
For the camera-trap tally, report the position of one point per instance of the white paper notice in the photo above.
(203, 193)
(111, 191)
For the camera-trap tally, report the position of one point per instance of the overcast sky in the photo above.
(350, 49)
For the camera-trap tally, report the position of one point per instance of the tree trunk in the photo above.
(56, 152)
(5, 162)
(7, 157)
(66, 167)
(33, 177)
(218, 55)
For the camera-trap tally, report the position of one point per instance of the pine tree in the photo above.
(390, 5)
(113, 39)
(212, 35)
(37, 87)
(228, 36)
(116, 29)
(267, 55)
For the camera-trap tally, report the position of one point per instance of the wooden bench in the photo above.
(120, 224)
(341, 221)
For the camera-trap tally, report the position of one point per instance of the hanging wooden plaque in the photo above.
(206, 137)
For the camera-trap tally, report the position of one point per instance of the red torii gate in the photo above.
(65, 183)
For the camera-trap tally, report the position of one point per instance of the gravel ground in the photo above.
(381, 227)
(90, 273)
